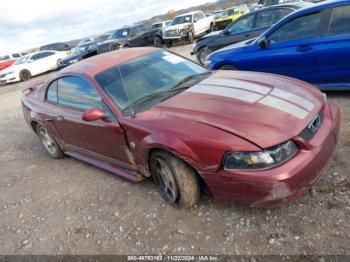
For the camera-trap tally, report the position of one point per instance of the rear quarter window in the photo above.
(51, 95)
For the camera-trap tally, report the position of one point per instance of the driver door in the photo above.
(103, 139)
(292, 49)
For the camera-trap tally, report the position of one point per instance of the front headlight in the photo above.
(73, 61)
(9, 73)
(266, 159)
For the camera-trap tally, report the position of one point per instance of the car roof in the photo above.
(321, 6)
(190, 13)
(97, 64)
(304, 11)
(291, 4)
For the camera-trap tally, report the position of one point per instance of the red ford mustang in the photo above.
(251, 137)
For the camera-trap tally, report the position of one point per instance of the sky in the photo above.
(26, 24)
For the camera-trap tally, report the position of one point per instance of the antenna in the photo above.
(126, 92)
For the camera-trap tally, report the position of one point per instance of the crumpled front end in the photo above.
(285, 183)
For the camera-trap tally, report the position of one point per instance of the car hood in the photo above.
(12, 68)
(72, 57)
(116, 40)
(212, 34)
(173, 27)
(262, 108)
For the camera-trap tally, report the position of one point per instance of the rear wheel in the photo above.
(25, 75)
(168, 43)
(176, 181)
(50, 145)
(157, 42)
(203, 54)
(228, 67)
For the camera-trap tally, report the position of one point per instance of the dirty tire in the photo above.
(114, 47)
(203, 54)
(168, 43)
(24, 75)
(190, 37)
(211, 29)
(228, 67)
(170, 173)
(157, 42)
(50, 145)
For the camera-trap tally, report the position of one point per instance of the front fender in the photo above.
(170, 143)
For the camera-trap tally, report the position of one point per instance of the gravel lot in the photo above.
(67, 207)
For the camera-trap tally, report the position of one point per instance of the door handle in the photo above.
(304, 48)
(58, 118)
(247, 35)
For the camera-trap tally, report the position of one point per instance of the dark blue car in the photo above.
(312, 44)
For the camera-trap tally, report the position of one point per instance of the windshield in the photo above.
(148, 80)
(102, 38)
(157, 26)
(182, 19)
(22, 60)
(120, 33)
(84, 49)
(228, 12)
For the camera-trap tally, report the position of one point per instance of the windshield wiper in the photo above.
(191, 78)
(183, 84)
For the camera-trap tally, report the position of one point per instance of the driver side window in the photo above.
(242, 24)
(75, 92)
(299, 28)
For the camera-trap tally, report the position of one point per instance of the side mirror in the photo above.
(226, 32)
(93, 114)
(30, 61)
(195, 20)
(263, 43)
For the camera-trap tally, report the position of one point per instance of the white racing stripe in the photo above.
(293, 98)
(238, 94)
(284, 106)
(237, 84)
(279, 99)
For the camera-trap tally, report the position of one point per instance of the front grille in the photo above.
(312, 128)
(171, 33)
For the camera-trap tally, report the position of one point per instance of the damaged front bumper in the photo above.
(288, 182)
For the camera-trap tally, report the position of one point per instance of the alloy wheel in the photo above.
(166, 180)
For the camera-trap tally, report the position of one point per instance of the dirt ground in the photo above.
(67, 207)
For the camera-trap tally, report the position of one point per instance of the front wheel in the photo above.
(157, 42)
(190, 37)
(176, 181)
(203, 53)
(25, 75)
(51, 146)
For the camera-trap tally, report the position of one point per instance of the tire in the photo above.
(203, 53)
(211, 29)
(24, 75)
(50, 145)
(113, 47)
(175, 180)
(228, 67)
(168, 43)
(190, 37)
(157, 42)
